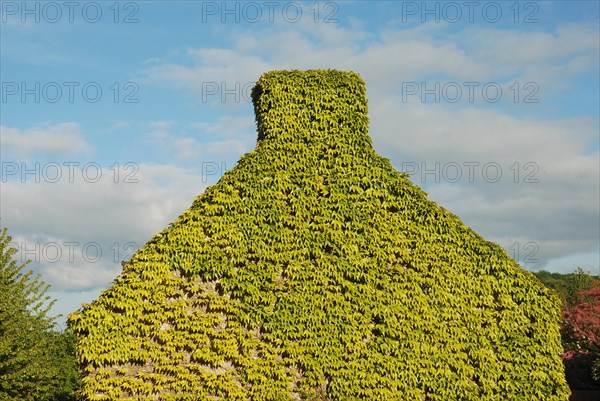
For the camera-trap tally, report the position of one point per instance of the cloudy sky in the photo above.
(115, 115)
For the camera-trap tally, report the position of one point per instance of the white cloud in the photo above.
(120, 125)
(511, 49)
(405, 55)
(548, 189)
(220, 140)
(159, 129)
(230, 135)
(549, 59)
(226, 126)
(186, 148)
(165, 135)
(215, 76)
(442, 132)
(51, 140)
(113, 215)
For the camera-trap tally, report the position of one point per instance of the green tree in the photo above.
(36, 363)
(63, 356)
(577, 283)
(568, 286)
(580, 329)
(556, 281)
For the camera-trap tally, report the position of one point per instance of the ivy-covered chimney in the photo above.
(315, 271)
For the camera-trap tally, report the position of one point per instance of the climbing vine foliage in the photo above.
(314, 270)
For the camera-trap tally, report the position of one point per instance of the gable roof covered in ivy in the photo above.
(313, 270)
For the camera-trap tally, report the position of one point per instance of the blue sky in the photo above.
(115, 115)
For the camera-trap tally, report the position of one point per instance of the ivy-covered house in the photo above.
(313, 270)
